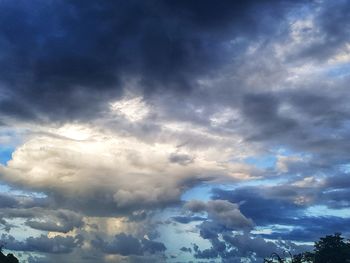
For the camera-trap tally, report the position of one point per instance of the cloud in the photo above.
(287, 206)
(125, 245)
(182, 159)
(56, 165)
(8, 201)
(56, 245)
(186, 249)
(114, 110)
(153, 246)
(45, 219)
(262, 110)
(221, 212)
(56, 221)
(117, 173)
(122, 244)
(85, 53)
(233, 247)
(246, 245)
(327, 34)
(187, 219)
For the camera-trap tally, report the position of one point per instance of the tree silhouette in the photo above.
(333, 249)
(306, 257)
(10, 258)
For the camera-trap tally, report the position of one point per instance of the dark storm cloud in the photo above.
(262, 111)
(331, 32)
(302, 121)
(7, 201)
(247, 244)
(57, 221)
(64, 59)
(186, 249)
(221, 213)
(55, 245)
(323, 113)
(126, 245)
(5, 225)
(105, 204)
(45, 219)
(311, 228)
(211, 229)
(187, 219)
(206, 253)
(283, 205)
(182, 159)
(262, 209)
(337, 199)
(122, 244)
(224, 218)
(153, 246)
(338, 181)
(236, 246)
(323, 108)
(21, 201)
(336, 192)
(230, 246)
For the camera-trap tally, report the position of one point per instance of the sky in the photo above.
(172, 130)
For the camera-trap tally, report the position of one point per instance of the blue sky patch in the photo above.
(263, 162)
(5, 155)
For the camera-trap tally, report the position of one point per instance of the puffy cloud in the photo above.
(188, 219)
(56, 221)
(45, 219)
(153, 246)
(288, 206)
(8, 201)
(222, 212)
(186, 249)
(56, 245)
(182, 159)
(233, 247)
(107, 170)
(120, 172)
(125, 245)
(122, 244)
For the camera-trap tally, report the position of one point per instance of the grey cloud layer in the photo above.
(83, 52)
(56, 245)
(126, 245)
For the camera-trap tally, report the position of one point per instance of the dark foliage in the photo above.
(10, 258)
(332, 249)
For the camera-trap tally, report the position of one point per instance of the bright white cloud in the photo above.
(83, 164)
